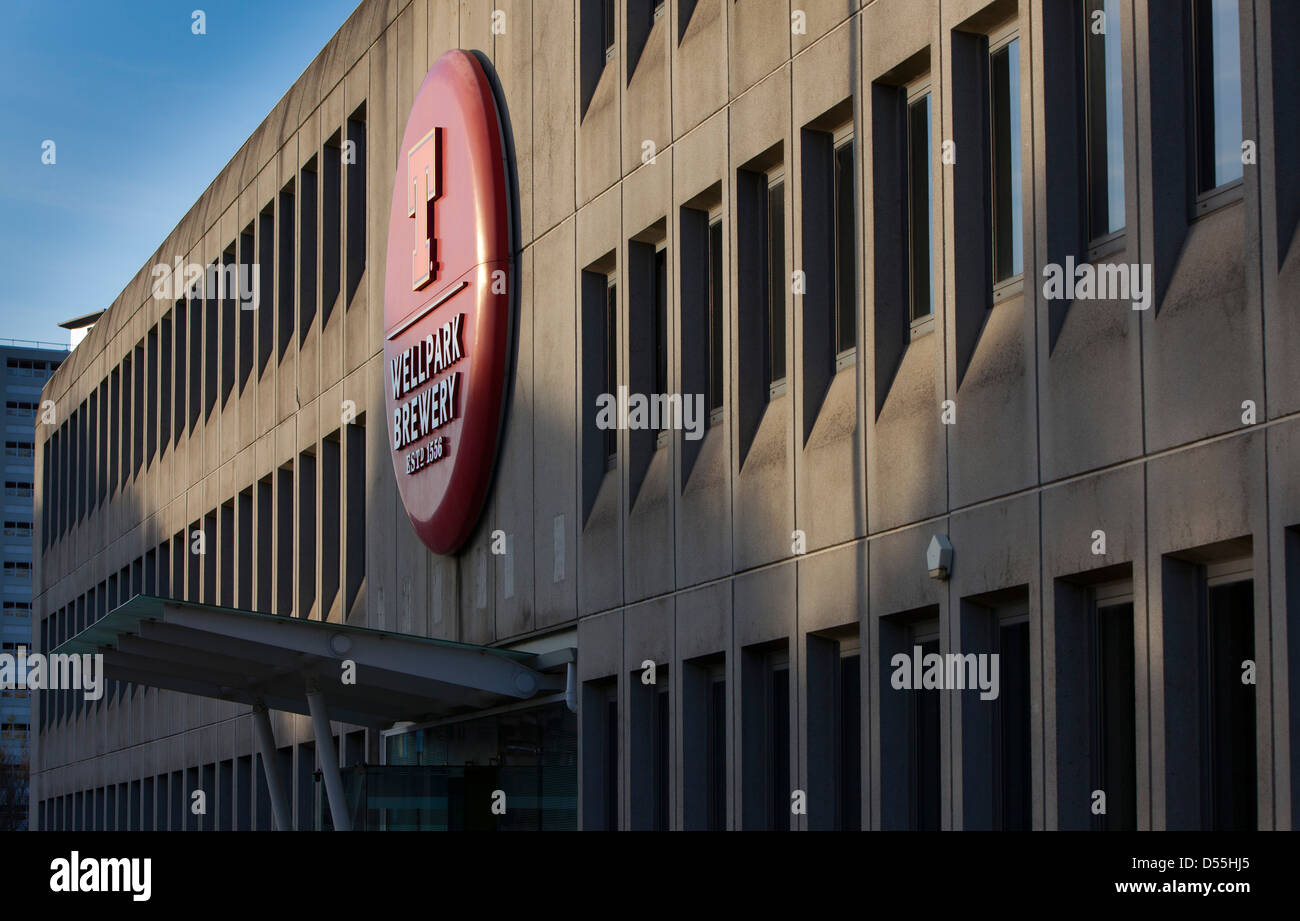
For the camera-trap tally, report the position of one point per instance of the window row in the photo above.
(235, 795)
(216, 334)
(250, 553)
(31, 367)
(18, 569)
(990, 233)
(1209, 622)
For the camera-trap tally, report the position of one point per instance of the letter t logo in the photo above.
(424, 186)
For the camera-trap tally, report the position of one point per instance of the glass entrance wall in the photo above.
(510, 771)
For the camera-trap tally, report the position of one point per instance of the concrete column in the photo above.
(266, 748)
(329, 758)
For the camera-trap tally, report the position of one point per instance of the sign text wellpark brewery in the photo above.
(447, 300)
(415, 419)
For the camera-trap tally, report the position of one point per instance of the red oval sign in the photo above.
(447, 301)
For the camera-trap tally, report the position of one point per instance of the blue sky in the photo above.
(144, 114)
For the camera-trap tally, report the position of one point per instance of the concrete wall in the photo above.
(1068, 420)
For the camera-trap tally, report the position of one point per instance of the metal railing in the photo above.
(36, 344)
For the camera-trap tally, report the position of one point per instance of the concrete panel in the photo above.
(763, 30)
(554, 113)
(699, 62)
(511, 507)
(555, 435)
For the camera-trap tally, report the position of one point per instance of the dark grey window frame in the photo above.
(1013, 284)
(919, 93)
(611, 363)
(846, 300)
(1209, 196)
(717, 271)
(1092, 64)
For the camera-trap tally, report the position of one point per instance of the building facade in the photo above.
(27, 366)
(988, 516)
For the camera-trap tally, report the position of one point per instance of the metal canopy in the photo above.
(271, 660)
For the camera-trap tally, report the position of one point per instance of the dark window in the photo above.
(226, 551)
(266, 287)
(180, 547)
(641, 16)
(925, 783)
(306, 788)
(244, 801)
(1014, 786)
(661, 321)
(832, 733)
(356, 215)
(331, 229)
(1228, 706)
(647, 356)
(598, 328)
(716, 795)
(685, 9)
(284, 540)
(92, 450)
(306, 568)
(1217, 56)
(774, 229)
(1114, 734)
(717, 328)
(211, 346)
(244, 549)
(846, 260)
(105, 438)
(309, 183)
(700, 328)
(920, 198)
(162, 563)
(662, 758)
(611, 362)
(779, 747)
(247, 307)
(829, 265)
(265, 531)
(150, 579)
(850, 745)
(196, 360)
(284, 296)
(600, 755)
(1008, 233)
(596, 40)
(355, 512)
(229, 269)
(1210, 708)
(761, 274)
(84, 468)
(765, 739)
(139, 421)
(211, 554)
(650, 764)
(179, 384)
(153, 389)
(608, 26)
(704, 745)
(330, 505)
(1105, 118)
(166, 384)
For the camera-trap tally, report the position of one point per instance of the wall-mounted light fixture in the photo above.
(938, 556)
